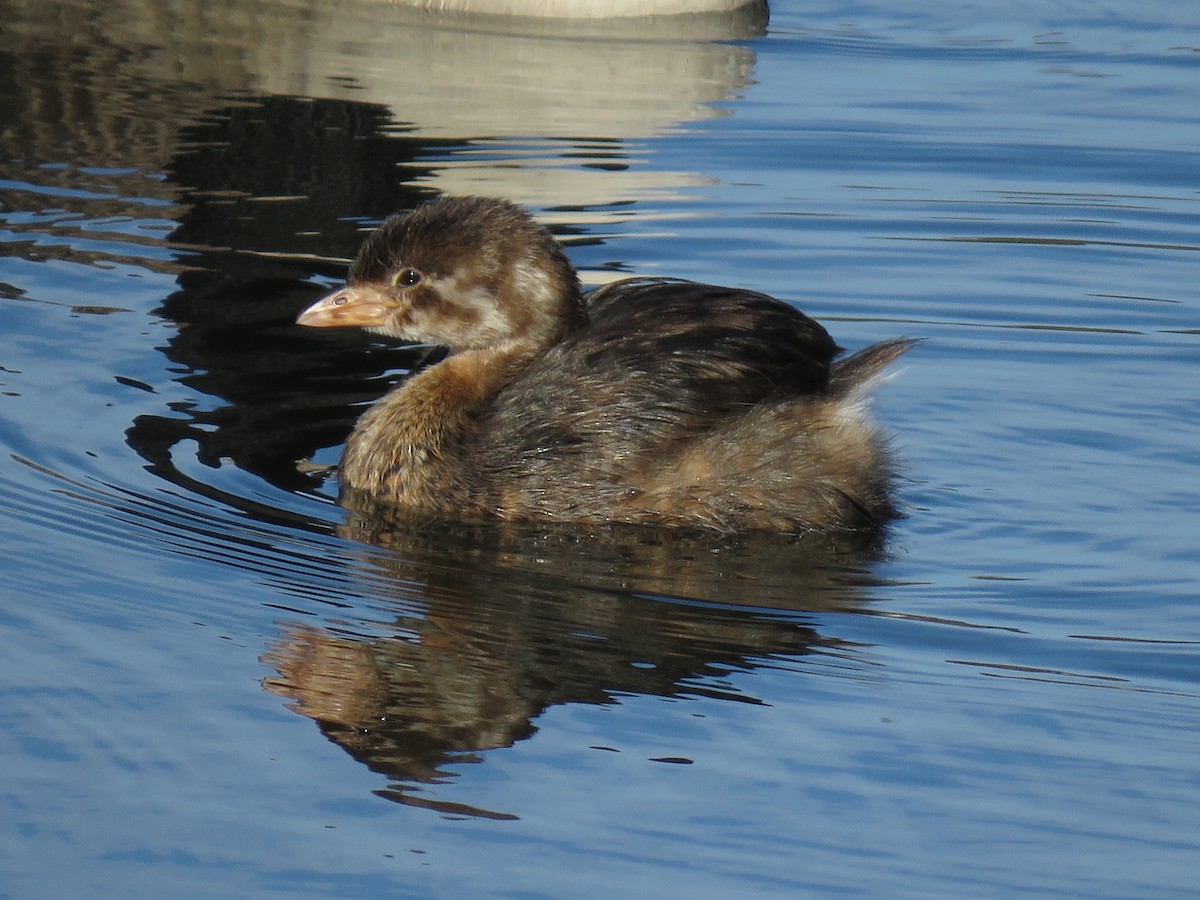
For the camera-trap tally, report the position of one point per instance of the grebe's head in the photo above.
(460, 272)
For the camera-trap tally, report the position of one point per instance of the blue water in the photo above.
(211, 685)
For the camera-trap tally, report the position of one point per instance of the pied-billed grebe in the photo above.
(649, 401)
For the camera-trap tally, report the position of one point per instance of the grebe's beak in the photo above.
(361, 305)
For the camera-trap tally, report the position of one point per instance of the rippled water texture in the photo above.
(215, 684)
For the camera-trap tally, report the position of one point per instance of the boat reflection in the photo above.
(551, 111)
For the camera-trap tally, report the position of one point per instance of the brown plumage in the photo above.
(651, 401)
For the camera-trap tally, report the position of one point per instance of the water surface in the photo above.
(214, 683)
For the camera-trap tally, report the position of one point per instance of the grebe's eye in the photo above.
(407, 278)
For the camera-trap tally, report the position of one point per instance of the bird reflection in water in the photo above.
(492, 625)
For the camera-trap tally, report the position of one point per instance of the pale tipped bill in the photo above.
(363, 305)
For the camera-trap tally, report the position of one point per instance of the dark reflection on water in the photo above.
(516, 620)
(276, 191)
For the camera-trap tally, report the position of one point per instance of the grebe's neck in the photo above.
(406, 446)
